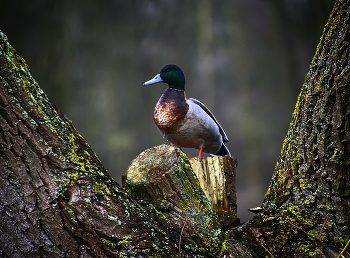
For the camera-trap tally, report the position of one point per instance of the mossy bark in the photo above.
(306, 209)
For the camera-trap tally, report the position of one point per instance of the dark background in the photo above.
(245, 59)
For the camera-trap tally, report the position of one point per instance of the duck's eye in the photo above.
(167, 70)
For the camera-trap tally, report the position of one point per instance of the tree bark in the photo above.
(306, 210)
(57, 199)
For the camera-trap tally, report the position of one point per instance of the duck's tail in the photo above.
(223, 151)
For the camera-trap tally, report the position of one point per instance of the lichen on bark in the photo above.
(310, 186)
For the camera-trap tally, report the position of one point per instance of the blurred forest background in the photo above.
(245, 59)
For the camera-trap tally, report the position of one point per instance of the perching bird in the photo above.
(187, 123)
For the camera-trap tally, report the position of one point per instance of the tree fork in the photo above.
(57, 200)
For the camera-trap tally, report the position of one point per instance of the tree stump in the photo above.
(217, 176)
(162, 177)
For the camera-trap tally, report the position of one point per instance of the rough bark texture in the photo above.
(310, 189)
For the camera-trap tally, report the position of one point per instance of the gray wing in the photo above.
(222, 132)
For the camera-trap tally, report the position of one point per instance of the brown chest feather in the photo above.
(170, 111)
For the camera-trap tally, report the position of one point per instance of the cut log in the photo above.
(162, 177)
(217, 176)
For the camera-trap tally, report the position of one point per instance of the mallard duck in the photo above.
(186, 123)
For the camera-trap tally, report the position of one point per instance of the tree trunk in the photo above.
(57, 200)
(306, 210)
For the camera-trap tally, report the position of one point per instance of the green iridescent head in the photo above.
(171, 75)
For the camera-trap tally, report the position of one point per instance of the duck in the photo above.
(186, 123)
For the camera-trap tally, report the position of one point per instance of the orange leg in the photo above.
(200, 152)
